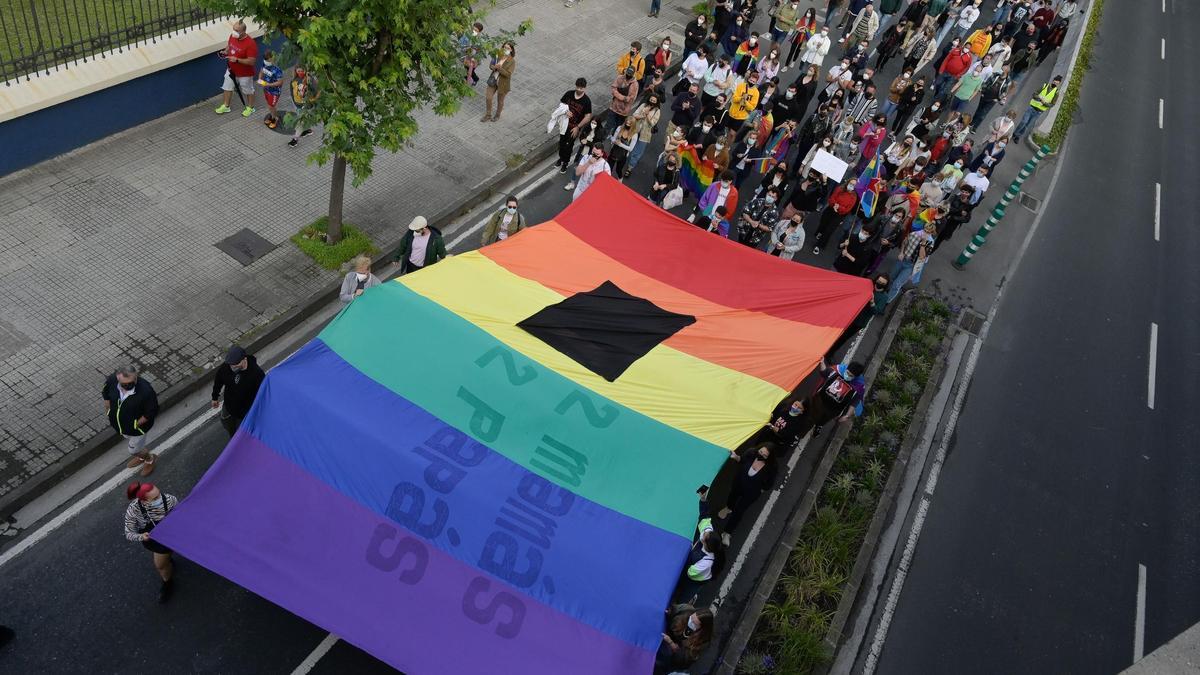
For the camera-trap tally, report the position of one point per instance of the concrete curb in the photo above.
(267, 333)
(740, 636)
(885, 510)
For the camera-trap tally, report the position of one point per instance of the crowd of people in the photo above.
(749, 126)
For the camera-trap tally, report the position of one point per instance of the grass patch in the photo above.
(790, 634)
(311, 240)
(1070, 101)
(47, 26)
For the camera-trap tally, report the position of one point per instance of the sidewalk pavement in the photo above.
(108, 254)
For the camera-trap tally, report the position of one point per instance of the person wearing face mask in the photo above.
(131, 405)
(632, 59)
(270, 78)
(841, 203)
(804, 198)
(967, 87)
(685, 110)
(666, 179)
(745, 57)
(815, 129)
(990, 157)
(707, 557)
(735, 34)
(239, 378)
(787, 237)
(857, 250)
(742, 102)
(421, 246)
(908, 101)
(623, 143)
(594, 164)
(661, 60)
(624, 93)
(876, 306)
(756, 470)
(759, 218)
(504, 223)
(889, 44)
(689, 632)
(694, 34)
(817, 47)
(768, 68)
(717, 80)
(864, 26)
(148, 506)
(721, 193)
(743, 150)
(787, 14)
(500, 81)
(804, 29)
(240, 54)
(958, 212)
(357, 280)
(646, 117)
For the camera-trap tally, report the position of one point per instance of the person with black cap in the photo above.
(240, 377)
(148, 506)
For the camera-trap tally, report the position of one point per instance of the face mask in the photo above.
(693, 623)
(958, 165)
(362, 276)
(157, 501)
(762, 457)
(863, 236)
(769, 199)
(718, 145)
(794, 411)
(268, 64)
(666, 45)
(707, 128)
(1000, 145)
(791, 94)
(753, 41)
(507, 51)
(510, 209)
(128, 386)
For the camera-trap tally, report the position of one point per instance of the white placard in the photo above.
(829, 165)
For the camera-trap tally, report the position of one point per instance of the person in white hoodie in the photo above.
(967, 17)
(589, 167)
(817, 47)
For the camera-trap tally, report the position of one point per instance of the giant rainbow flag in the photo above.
(490, 466)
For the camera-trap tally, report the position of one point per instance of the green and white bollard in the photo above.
(997, 213)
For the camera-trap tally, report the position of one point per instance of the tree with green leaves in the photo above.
(377, 62)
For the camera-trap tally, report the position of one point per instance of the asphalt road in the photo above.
(1062, 480)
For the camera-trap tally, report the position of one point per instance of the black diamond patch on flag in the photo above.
(605, 329)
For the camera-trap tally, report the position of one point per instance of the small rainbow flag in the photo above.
(490, 465)
(775, 150)
(695, 174)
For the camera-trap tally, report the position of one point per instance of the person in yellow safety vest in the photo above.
(744, 102)
(1040, 104)
(707, 556)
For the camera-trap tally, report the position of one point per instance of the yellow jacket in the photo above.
(980, 42)
(626, 61)
(744, 101)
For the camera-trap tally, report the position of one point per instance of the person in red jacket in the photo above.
(841, 204)
(956, 63)
(241, 53)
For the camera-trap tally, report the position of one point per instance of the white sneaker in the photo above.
(569, 186)
(725, 538)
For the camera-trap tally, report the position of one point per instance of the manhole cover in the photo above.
(245, 246)
(1030, 202)
(971, 321)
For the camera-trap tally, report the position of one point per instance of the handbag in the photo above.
(673, 198)
(492, 80)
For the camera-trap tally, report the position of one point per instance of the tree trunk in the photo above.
(337, 192)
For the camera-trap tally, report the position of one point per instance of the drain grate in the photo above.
(1030, 202)
(971, 321)
(245, 246)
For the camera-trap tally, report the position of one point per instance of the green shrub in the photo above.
(1070, 100)
(311, 240)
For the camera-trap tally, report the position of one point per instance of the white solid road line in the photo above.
(893, 598)
(520, 195)
(1139, 619)
(311, 660)
(1162, 52)
(1157, 208)
(731, 575)
(1160, 113)
(1153, 365)
(102, 489)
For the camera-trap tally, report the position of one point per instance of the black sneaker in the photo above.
(293, 142)
(562, 169)
(816, 431)
(306, 132)
(164, 591)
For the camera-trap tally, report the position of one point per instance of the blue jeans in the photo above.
(946, 28)
(654, 6)
(887, 108)
(939, 85)
(636, 154)
(1027, 120)
(900, 273)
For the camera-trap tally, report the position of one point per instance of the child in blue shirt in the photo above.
(270, 78)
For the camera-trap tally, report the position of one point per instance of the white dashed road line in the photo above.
(1139, 619)
(1153, 365)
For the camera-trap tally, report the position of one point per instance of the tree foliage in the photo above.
(377, 63)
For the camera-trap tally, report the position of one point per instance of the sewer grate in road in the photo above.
(971, 321)
(1030, 202)
(245, 246)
